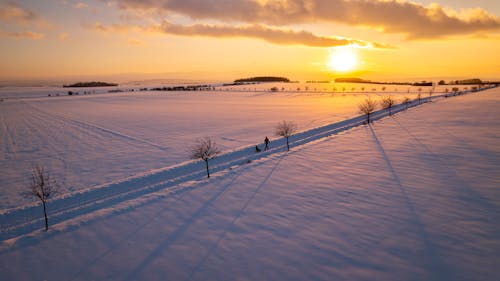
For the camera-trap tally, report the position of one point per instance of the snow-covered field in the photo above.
(414, 196)
(89, 140)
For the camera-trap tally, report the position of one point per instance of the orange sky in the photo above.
(224, 40)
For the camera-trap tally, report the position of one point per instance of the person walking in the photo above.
(267, 142)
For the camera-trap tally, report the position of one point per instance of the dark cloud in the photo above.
(409, 18)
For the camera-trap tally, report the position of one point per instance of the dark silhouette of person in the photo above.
(267, 142)
(257, 149)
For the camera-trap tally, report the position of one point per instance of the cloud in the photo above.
(12, 12)
(22, 35)
(81, 5)
(272, 35)
(414, 20)
(135, 42)
(63, 36)
(113, 28)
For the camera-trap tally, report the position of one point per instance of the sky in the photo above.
(229, 39)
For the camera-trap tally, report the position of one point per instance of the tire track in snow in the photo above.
(438, 268)
(9, 144)
(50, 144)
(92, 126)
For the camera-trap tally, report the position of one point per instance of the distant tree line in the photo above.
(359, 80)
(90, 84)
(262, 79)
(184, 88)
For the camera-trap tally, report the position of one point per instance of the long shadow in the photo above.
(129, 235)
(463, 185)
(231, 224)
(436, 265)
(26, 219)
(177, 233)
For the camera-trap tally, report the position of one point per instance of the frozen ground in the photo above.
(87, 141)
(412, 197)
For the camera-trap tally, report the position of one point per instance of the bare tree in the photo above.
(205, 149)
(406, 101)
(419, 98)
(286, 129)
(367, 107)
(387, 103)
(42, 187)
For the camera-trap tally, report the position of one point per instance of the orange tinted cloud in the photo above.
(81, 5)
(12, 12)
(257, 31)
(414, 20)
(272, 35)
(22, 35)
(113, 28)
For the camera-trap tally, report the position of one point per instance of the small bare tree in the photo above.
(387, 103)
(286, 129)
(42, 187)
(367, 107)
(406, 102)
(205, 149)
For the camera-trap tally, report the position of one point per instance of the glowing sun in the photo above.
(343, 59)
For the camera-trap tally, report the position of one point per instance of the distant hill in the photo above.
(262, 79)
(90, 84)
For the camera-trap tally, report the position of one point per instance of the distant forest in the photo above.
(359, 80)
(90, 84)
(262, 79)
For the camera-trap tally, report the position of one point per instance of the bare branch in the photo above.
(286, 129)
(387, 103)
(406, 101)
(367, 107)
(42, 186)
(205, 149)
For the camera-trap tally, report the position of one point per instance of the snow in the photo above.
(413, 196)
(87, 141)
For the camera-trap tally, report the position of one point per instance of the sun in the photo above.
(343, 59)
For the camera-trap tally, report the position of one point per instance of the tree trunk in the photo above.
(287, 144)
(368, 117)
(45, 214)
(206, 165)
